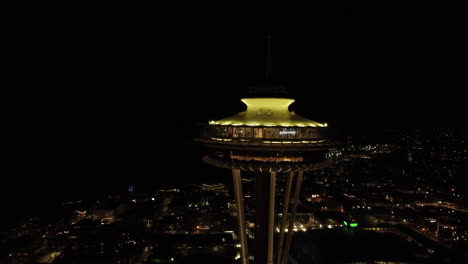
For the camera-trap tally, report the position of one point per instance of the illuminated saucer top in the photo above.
(268, 112)
(266, 136)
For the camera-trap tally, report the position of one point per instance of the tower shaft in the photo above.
(237, 182)
(264, 216)
(265, 187)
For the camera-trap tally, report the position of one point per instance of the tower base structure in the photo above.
(267, 250)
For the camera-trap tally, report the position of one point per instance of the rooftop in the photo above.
(267, 112)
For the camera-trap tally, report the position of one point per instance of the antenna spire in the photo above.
(268, 58)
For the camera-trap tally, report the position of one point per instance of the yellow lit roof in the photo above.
(267, 112)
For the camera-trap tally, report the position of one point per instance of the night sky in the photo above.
(88, 113)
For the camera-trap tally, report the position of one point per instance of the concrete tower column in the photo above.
(284, 216)
(285, 254)
(236, 176)
(271, 218)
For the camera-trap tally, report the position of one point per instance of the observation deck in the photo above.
(266, 137)
(272, 143)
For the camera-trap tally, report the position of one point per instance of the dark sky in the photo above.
(90, 89)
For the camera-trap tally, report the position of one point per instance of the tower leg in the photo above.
(293, 217)
(286, 201)
(262, 216)
(236, 176)
(271, 220)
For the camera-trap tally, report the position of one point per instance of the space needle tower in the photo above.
(275, 146)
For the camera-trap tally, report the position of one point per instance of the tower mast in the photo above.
(268, 59)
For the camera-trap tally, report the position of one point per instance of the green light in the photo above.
(345, 223)
(156, 260)
(353, 224)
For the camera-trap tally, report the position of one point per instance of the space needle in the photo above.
(275, 146)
